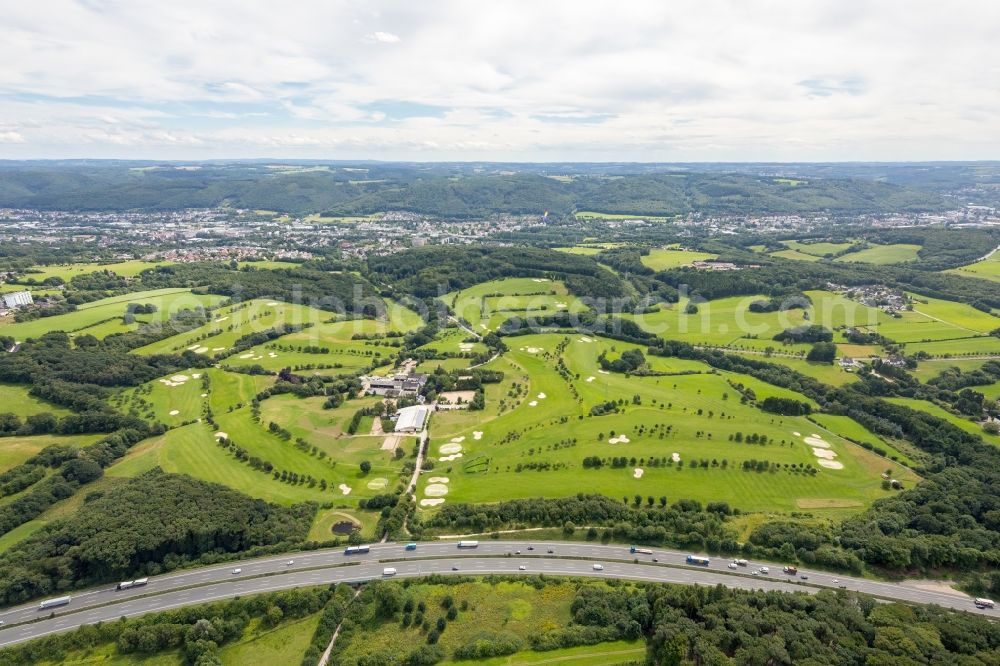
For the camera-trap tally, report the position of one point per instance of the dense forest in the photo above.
(436, 270)
(126, 531)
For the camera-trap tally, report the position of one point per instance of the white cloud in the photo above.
(383, 37)
(517, 80)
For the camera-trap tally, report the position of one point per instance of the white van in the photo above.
(388, 571)
(237, 571)
(598, 567)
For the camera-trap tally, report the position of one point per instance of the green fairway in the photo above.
(170, 400)
(487, 305)
(815, 249)
(883, 254)
(533, 442)
(662, 259)
(90, 315)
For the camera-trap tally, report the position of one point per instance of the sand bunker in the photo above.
(431, 502)
(637, 472)
(458, 440)
(344, 488)
(586, 339)
(195, 375)
(824, 453)
(477, 434)
(604, 372)
(222, 318)
(817, 441)
(560, 305)
(377, 484)
(533, 350)
(222, 435)
(541, 396)
(465, 346)
(438, 479)
(193, 347)
(815, 435)
(591, 378)
(533, 403)
(436, 490)
(201, 350)
(217, 348)
(482, 326)
(449, 448)
(179, 378)
(830, 464)
(797, 434)
(539, 279)
(174, 412)
(204, 395)
(246, 355)
(620, 439)
(273, 303)
(454, 456)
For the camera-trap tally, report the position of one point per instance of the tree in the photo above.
(822, 352)
(388, 598)
(366, 466)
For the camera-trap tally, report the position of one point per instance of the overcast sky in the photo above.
(666, 80)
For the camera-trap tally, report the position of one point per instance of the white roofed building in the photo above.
(412, 419)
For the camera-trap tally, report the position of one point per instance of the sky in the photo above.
(508, 80)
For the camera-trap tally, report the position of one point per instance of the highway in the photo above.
(320, 567)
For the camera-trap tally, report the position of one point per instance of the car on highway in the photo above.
(550, 551)
(521, 567)
(517, 552)
(237, 571)
(804, 576)
(765, 570)
(531, 547)
(732, 565)
(289, 563)
(754, 573)
(454, 567)
(598, 567)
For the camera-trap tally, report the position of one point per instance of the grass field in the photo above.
(513, 607)
(883, 254)
(796, 255)
(69, 271)
(663, 258)
(89, 316)
(820, 249)
(963, 423)
(15, 450)
(988, 269)
(487, 305)
(15, 399)
(543, 423)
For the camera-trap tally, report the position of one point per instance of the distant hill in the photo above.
(459, 191)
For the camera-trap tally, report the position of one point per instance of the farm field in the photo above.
(930, 368)
(983, 345)
(535, 441)
(883, 254)
(796, 255)
(90, 315)
(930, 408)
(513, 607)
(661, 259)
(487, 305)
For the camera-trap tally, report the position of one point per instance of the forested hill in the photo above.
(443, 190)
(435, 270)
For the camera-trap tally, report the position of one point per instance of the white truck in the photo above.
(389, 571)
(984, 603)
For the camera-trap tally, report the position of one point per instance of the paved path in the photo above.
(322, 567)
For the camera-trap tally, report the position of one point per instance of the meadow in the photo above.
(513, 607)
(662, 259)
(67, 272)
(883, 254)
(532, 442)
(104, 316)
(15, 399)
(988, 269)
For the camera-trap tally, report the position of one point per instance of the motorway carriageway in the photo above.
(322, 567)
